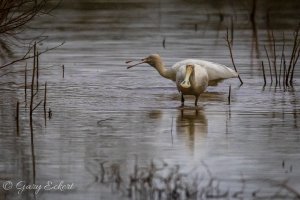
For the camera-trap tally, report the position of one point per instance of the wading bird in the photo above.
(192, 76)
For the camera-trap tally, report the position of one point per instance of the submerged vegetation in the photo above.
(160, 180)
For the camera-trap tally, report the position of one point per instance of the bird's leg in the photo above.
(182, 100)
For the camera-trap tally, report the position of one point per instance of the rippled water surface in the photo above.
(102, 112)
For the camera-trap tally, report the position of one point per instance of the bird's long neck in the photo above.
(168, 73)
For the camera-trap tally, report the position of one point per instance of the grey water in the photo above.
(102, 112)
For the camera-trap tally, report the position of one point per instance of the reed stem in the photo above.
(229, 95)
(31, 120)
(269, 64)
(37, 69)
(264, 74)
(229, 42)
(63, 68)
(25, 87)
(274, 59)
(45, 104)
(282, 60)
(294, 51)
(17, 118)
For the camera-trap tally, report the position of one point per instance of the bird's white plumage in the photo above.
(215, 71)
(198, 80)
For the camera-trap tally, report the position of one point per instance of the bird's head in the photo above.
(153, 60)
(190, 68)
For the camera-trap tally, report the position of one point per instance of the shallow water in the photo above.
(103, 112)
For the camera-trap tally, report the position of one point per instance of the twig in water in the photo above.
(164, 42)
(229, 95)
(284, 73)
(229, 44)
(63, 68)
(17, 119)
(31, 121)
(103, 120)
(282, 60)
(253, 11)
(45, 103)
(37, 105)
(102, 172)
(297, 51)
(207, 169)
(269, 64)
(231, 29)
(294, 64)
(45, 97)
(25, 88)
(288, 188)
(274, 59)
(50, 113)
(26, 57)
(37, 69)
(294, 51)
(263, 68)
(32, 88)
(172, 130)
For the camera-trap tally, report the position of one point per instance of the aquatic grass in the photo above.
(286, 72)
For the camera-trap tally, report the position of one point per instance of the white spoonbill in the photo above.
(192, 76)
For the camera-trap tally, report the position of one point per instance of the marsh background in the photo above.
(103, 112)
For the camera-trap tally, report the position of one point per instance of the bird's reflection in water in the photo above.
(191, 125)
